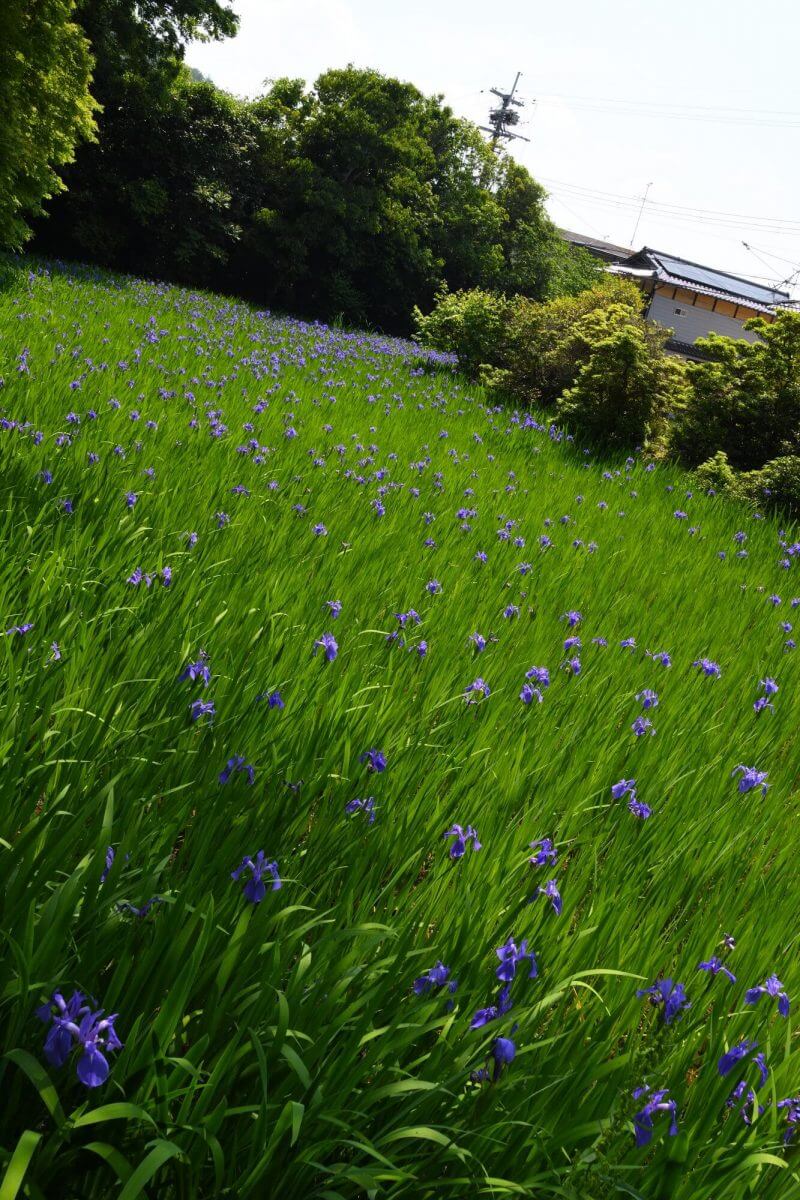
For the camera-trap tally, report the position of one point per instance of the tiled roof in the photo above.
(680, 272)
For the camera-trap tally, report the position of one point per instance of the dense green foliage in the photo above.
(354, 199)
(592, 356)
(45, 106)
(746, 397)
(278, 1049)
(601, 367)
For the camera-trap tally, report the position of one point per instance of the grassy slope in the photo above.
(280, 1047)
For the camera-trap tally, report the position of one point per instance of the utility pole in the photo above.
(641, 210)
(504, 115)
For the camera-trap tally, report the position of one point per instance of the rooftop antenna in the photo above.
(641, 210)
(504, 115)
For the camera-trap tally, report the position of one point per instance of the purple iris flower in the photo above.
(736, 1053)
(623, 788)
(328, 643)
(130, 499)
(648, 698)
(761, 703)
(708, 667)
(573, 665)
(335, 606)
(511, 611)
(319, 530)
(671, 995)
(545, 853)
(769, 685)
(503, 1051)
(639, 808)
(366, 806)
(273, 699)
(222, 519)
(203, 708)
(375, 760)
(484, 1015)
(462, 837)
(539, 675)
(124, 906)
(528, 693)
(744, 1095)
(511, 956)
(478, 641)
(235, 764)
(550, 890)
(433, 587)
(572, 643)
(654, 1107)
(716, 966)
(110, 856)
(773, 988)
(436, 977)
(255, 889)
(643, 725)
(628, 643)
(477, 687)
(751, 778)
(791, 1105)
(72, 1023)
(572, 618)
(197, 670)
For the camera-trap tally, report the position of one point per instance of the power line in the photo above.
(640, 109)
(638, 102)
(677, 209)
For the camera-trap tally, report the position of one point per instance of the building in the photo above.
(606, 251)
(690, 299)
(694, 301)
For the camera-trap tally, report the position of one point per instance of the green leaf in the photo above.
(20, 1161)
(113, 1112)
(41, 1081)
(161, 1153)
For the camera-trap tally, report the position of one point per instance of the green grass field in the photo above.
(273, 1041)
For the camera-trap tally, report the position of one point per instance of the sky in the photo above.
(696, 98)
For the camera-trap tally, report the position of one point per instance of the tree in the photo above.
(116, 186)
(46, 106)
(746, 398)
(355, 199)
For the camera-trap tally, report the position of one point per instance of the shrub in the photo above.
(612, 401)
(716, 473)
(548, 343)
(471, 324)
(778, 483)
(746, 399)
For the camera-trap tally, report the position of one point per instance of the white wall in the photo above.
(690, 322)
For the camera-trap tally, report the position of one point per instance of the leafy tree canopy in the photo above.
(45, 69)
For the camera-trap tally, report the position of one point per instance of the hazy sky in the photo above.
(698, 96)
